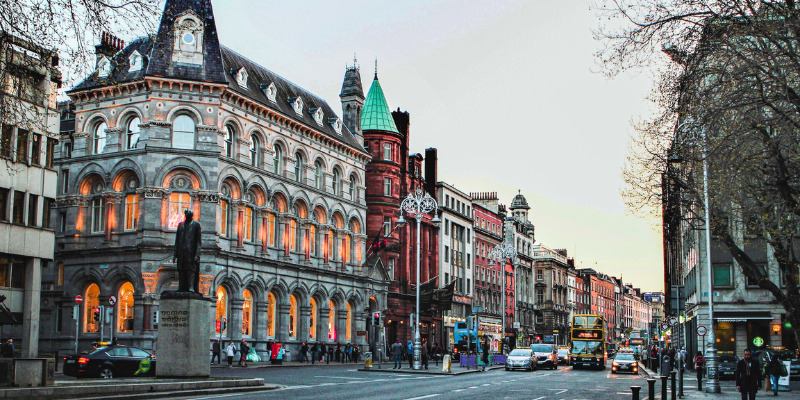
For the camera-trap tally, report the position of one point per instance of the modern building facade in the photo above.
(177, 121)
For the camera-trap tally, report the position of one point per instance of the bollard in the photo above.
(635, 392)
(651, 386)
(680, 382)
(672, 384)
(664, 387)
(446, 363)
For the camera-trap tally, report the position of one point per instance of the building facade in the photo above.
(177, 121)
(551, 292)
(519, 232)
(488, 227)
(28, 138)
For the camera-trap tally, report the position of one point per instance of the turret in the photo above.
(352, 97)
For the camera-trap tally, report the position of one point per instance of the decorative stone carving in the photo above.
(209, 197)
(155, 193)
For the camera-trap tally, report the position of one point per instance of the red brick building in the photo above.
(601, 295)
(488, 227)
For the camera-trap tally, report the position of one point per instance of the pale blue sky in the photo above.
(508, 91)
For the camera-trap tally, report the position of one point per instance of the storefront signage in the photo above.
(462, 299)
(758, 341)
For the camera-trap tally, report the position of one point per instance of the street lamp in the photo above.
(501, 253)
(416, 205)
(712, 379)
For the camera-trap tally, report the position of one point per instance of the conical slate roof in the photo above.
(376, 115)
(352, 83)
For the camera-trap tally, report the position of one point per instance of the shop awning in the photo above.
(741, 316)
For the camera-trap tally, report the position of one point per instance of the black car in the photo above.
(727, 366)
(108, 362)
(624, 362)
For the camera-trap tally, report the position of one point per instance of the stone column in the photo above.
(322, 323)
(138, 313)
(235, 318)
(115, 140)
(341, 327)
(303, 324)
(150, 211)
(31, 308)
(282, 330)
(260, 328)
(360, 325)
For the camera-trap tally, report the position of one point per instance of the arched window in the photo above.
(255, 151)
(133, 132)
(277, 160)
(183, 132)
(319, 176)
(270, 229)
(353, 188)
(248, 224)
(100, 137)
(337, 181)
(91, 300)
(125, 308)
(247, 313)
(292, 316)
(271, 307)
(312, 321)
(229, 136)
(224, 216)
(222, 306)
(349, 324)
(331, 320)
(299, 168)
(178, 202)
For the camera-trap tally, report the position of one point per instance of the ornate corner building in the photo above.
(176, 121)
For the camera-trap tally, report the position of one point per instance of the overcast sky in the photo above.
(508, 91)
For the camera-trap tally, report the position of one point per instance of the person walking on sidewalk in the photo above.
(424, 356)
(330, 354)
(748, 376)
(304, 352)
(243, 350)
(323, 352)
(397, 353)
(774, 369)
(485, 355)
(215, 352)
(410, 350)
(314, 353)
(699, 367)
(230, 351)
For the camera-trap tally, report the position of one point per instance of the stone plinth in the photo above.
(183, 331)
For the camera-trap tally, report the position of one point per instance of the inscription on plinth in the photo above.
(183, 331)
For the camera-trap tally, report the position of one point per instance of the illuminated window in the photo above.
(177, 203)
(223, 217)
(292, 235)
(100, 137)
(312, 322)
(292, 316)
(349, 324)
(222, 306)
(131, 212)
(271, 307)
(271, 229)
(331, 320)
(312, 240)
(91, 300)
(247, 313)
(183, 132)
(125, 308)
(133, 132)
(345, 250)
(248, 223)
(98, 214)
(60, 277)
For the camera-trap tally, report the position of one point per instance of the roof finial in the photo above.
(376, 67)
(355, 60)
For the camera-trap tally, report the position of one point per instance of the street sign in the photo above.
(78, 299)
(112, 300)
(701, 330)
(477, 309)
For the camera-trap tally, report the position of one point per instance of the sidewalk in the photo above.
(285, 364)
(690, 387)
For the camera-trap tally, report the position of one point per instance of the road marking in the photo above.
(337, 377)
(458, 390)
(539, 398)
(425, 397)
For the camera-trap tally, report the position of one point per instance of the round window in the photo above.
(188, 38)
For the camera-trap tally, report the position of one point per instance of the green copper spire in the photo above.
(375, 115)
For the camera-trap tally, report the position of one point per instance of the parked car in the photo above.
(563, 355)
(546, 355)
(727, 366)
(521, 358)
(110, 361)
(624, 362)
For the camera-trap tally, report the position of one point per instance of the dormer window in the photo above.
(271, 91)
(104, 67)
(241, 77)
(297, 105)
(318, 115)
(188, 40)
(135, 62)
(336, 123)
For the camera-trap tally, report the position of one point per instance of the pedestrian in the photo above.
(243, 350)
(699, 365)
(330, 354)
(683, 358)
(774, 370)
(748, 376)
(410, 350)
(339, 352)
(437, 353)
(230, 351)
(304, 352)
(485, 357)
(215, 352)
(397, 353)
(424, 356)
(346, 353)
(671, 354)
(269, 350)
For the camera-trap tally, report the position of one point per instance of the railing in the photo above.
(543, 253)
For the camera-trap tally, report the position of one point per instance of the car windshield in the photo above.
(542, 348)
(587, 347)
(727, 358)
(99, 350)
(520, 353)
(563, 352)
(624, 356)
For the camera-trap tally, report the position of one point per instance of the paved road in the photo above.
(345, 382)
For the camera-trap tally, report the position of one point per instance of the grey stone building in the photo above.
(519, 231)
(174, 121)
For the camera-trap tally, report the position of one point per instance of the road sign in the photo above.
(112, 300)
(701, 330)
(78, 299)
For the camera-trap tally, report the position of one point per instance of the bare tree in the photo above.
(730, 82)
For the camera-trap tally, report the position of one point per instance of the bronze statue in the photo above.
(187, 253)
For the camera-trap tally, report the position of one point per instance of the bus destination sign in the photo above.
(587, 334)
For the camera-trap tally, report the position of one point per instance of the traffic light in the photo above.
(376, 318)
(96, 316)
(224, 324)
(379, 244)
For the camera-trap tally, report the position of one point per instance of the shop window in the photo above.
(91, 300)
(271, 307)
(349, 324)
(331, 320)
(247, 313)
(125, 308)
(222, 307)
(312, 321)
(292, 316)
(223, 217)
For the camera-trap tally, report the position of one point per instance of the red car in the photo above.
(111, 361)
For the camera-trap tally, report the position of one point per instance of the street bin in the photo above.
(446, 363)
(665, 366)
(368, 359)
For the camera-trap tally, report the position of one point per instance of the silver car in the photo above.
(521, 359)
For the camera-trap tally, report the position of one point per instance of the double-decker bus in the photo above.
(587, 341)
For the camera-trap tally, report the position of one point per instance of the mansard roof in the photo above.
(375, 115)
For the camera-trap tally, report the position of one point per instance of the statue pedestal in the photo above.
(182, 349)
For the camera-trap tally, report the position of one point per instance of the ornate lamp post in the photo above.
(501, 253)
(416, 205)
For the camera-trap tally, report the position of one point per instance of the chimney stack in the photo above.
(431, 168)
(109, 45)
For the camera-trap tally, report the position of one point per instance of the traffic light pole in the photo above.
(77, 315)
